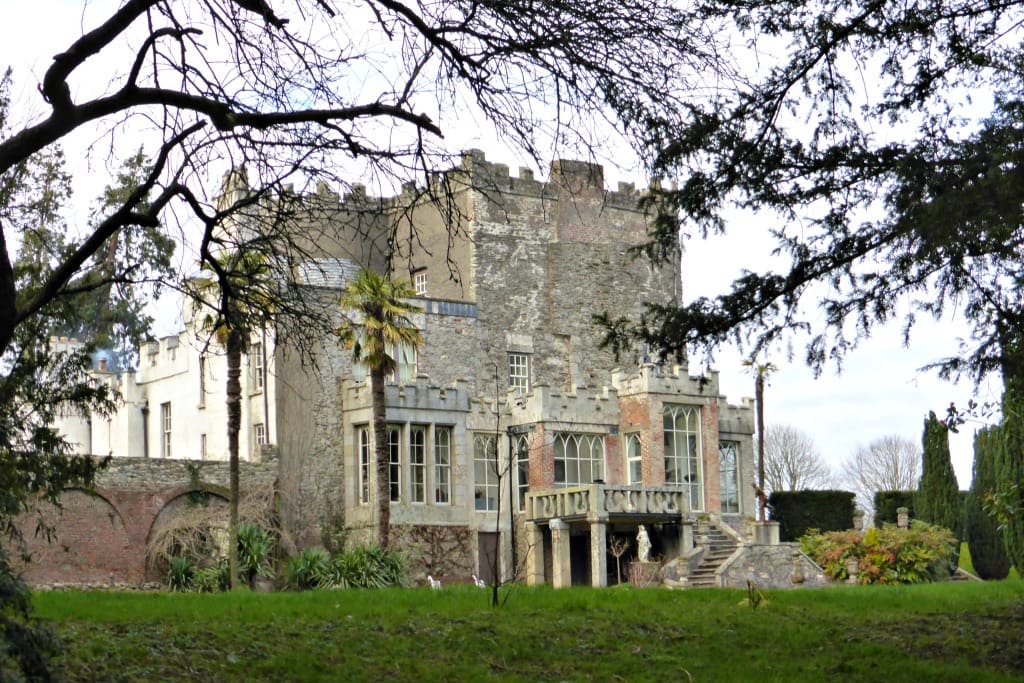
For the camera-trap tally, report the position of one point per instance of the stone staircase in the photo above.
(719, 547)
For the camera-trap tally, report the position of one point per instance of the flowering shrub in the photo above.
(919, 554)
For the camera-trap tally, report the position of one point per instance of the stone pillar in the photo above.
(561, 562)
(535, 554)
(902, 518)
(598, 554)
(858, 519)
(685, 536)
(766, 533)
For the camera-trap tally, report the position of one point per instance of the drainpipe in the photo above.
(145, 429)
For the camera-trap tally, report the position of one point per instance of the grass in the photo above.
(939, 632)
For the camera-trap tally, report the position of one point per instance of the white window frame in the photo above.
(418, 464)
(165, 429)
(256, 364)
(683, 462)
(394, 433)
(579, 458)
(419, 282)
(442, 465)
(729, 467)
(519, 371)
(202, 380)
(259, 434)
(522, 454)
(486, 490)
(634, 459)
(363, 454)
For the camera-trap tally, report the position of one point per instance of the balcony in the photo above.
(600, 501)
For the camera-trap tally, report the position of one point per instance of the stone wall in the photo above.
(772, 566)
(100, 536)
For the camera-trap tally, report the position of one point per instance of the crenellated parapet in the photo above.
(661, 379)
(420, 394)
(583, 406)
(736, 419)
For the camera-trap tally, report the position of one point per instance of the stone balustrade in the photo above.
(601, 500)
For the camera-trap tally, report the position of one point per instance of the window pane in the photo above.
(682, 452)
(442, 464)
(395, 471)
(418, 464)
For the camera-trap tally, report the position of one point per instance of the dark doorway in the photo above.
(487, 547)
(579, 556)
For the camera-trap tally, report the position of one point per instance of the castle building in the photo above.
(519, 447)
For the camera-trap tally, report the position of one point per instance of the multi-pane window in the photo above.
(259, 433)
(165, 430)
(256, 363)
(202, 380)
(579, 459)
(682, 452)
(485, 471)
(405, 362)
(364, 465)
(418, 464)
(728, 457)
(419, 282)
(634, 459)
(395, 460)
(442, 464)
(519, 372)
(522, 469)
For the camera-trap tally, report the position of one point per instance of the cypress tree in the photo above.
(938, 497)
(985, 540)
(1010, 468)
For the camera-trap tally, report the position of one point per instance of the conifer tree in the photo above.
(1010, 471)
(988, 554)
(938, 498)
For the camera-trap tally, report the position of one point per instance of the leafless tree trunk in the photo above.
(792, 462)
(889, 463)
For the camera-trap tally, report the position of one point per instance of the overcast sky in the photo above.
(879, 392)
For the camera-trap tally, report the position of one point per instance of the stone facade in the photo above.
(511, 398)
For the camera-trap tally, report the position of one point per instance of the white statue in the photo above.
(643, 545)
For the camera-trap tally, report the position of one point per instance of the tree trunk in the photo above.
(380, 447)
(235, 345)
(759, 397)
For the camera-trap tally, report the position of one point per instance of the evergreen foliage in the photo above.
(938, 497)
(984, 539)
(888, 502)
(797, 512)
(1010, 473)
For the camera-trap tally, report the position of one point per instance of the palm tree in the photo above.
(228, 321)
(760, 371)
(378, 329)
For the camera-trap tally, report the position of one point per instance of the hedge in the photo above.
(887, 502)
(798, 511)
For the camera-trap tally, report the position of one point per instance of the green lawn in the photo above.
(945, 632)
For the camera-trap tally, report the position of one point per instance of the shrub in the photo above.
(181, 574)
(799, 511)
(255, 547)
(888, 502)
(311, 568)
(214, 578)
(920, 554)
(367, 567)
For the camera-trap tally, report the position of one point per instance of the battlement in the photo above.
(659, 379)
(474, 170)
(583, 405)
(420, 394)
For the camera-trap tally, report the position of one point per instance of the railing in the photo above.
(602, 500)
